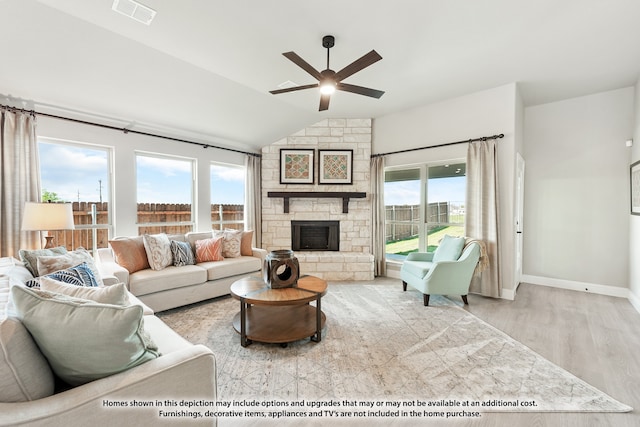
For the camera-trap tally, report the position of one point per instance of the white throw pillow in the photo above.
(158, 248)
(113, 294)
(84, 340)
(232, 242)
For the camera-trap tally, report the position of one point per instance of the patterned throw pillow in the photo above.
(231, 243)
(79, 275)
(50, 264)
(209, 249)
(182, 253)
(30, 258)
(130, 253)
(158, 248)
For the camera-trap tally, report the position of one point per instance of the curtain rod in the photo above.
(125, 130)
(483, 138)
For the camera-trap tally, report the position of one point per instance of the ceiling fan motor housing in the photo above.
(328, 41)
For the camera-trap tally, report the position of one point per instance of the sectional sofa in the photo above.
(32, 396)
(175, 286)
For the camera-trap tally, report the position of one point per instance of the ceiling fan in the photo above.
(328, 80)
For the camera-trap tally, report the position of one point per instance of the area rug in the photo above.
(382, 345)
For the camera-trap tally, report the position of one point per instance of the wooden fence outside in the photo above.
(149, 213)
(403, 221)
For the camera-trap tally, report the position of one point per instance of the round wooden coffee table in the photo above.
(279, 315)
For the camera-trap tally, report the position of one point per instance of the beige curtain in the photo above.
(482, 219)
(253, 198)
(19, 179)
(378, 215)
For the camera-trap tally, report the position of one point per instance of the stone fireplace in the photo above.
(315, 235)
(348, 256)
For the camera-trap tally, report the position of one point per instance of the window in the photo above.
(446, 188)
(87, 185)
(404, 222)
(227, 196)
(423, 203)
(165, 188)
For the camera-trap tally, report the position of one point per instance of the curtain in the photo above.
(378, 216)
(253, 199)
(482, 219)
(19, 179)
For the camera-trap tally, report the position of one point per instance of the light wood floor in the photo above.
(595, 337)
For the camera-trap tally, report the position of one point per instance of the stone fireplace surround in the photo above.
(354, 260)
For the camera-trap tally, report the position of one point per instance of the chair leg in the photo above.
(404, 286)
(426, 300)
(464, 299)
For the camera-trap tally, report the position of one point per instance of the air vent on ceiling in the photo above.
(134, 10)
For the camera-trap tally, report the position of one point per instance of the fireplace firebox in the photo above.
(315, 235)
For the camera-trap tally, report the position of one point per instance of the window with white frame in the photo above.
(227, 196)
(87, 185)
(165, 193)
(423, 203)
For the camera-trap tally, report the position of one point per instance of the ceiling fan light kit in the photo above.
(328, 80)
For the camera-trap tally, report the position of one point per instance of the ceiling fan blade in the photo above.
(324, 102)
(357, 65)
(291, 89)
(303, 64)
(374, 93)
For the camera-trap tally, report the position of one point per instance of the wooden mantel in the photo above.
(344, 195)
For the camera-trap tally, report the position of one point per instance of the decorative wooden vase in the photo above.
(281, 269)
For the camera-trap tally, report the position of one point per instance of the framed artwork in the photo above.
(296, 166)
(635, 188)
(335, 166)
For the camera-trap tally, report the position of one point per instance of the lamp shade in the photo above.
(47, 216)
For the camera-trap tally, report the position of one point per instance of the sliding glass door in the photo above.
(423, 203)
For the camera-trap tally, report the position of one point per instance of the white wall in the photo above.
(484, 113)
(124, 148)
(577, 192)
(634, 220)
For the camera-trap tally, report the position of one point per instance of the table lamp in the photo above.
(47, 217)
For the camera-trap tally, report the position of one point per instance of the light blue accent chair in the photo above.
(447, 271)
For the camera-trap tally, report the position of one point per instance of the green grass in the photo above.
(406, 246)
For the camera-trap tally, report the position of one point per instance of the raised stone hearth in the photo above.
(353, 259)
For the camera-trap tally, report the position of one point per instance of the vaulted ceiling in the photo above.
(203, 69)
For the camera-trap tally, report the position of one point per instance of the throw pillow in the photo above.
(130, 253)
(449, 249)
(25, 374)
(182, 253)
(209, 249)
(246, 244)
(80, 275)
(30, 258)
(84, 340)
(158, 248)
(49, 264)
(113, 294)
(231, 243)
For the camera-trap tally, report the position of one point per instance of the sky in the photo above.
(78, 174)
(440, 190)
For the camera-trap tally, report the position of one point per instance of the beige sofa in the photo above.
(183, 372)
(173, 286)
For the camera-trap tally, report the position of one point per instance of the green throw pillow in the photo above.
(449, 249)
(84, 340)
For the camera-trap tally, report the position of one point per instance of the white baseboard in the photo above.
(635, 301)
(572, 285)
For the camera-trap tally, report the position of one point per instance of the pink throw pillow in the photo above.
(209, 249)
